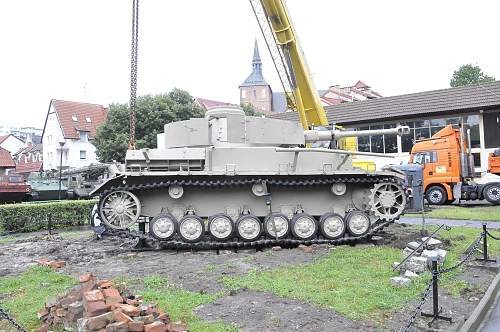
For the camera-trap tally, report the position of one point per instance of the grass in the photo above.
(179, 304)
(485, 213)
(356, 281)
(23, 295)
(7, 239)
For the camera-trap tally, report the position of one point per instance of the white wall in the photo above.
(71, 150)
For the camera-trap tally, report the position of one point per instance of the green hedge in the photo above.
(29, 217)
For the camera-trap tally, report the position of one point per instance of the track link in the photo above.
(215, 182)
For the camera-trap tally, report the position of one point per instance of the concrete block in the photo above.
(400, 281)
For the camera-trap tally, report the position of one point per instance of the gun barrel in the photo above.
(312, 136)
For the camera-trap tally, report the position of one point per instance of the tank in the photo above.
(236, 179)
(83, 180)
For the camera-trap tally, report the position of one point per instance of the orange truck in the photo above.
(448, 169)
(494, 162)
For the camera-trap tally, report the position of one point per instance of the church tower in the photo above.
(255, 90)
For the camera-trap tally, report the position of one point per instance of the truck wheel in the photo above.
(436, 195)
(492, 193)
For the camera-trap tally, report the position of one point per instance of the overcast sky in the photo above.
(56, 48)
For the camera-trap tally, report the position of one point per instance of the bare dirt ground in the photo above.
(201, 272)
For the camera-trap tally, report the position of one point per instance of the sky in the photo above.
(79, 50)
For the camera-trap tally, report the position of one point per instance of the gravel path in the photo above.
(450, 222)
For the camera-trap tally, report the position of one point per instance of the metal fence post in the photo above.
(485, 246)
(436, 311)
(49, 223)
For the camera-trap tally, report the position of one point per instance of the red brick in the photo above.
(93, 296)
(96, 308)
(88, 286)
(135, 326)
(117, 327)
(306, 249)
(86, 277)
(164, 318)
(130, 310)
(100, 321)
(42, 261)
(60, 312)
(132, 301)
(106, 284)
(155, 327)
(57, 264)
(42, 313)
(148, 319)
(121, 317)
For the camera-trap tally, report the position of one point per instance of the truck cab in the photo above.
(448, 169)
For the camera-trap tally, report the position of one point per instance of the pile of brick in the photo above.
(97, 305)
(54, 264)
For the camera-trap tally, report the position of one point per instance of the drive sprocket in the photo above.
(387, 200)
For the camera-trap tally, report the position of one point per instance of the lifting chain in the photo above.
(133, 71)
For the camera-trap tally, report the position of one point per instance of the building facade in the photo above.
(69, 130)
(29, 159)
(476, 108)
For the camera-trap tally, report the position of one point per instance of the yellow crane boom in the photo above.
(281, 39)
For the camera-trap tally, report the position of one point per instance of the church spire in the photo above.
(255, 77)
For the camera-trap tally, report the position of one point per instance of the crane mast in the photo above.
(282, 43)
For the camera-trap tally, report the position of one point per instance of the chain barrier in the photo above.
(473, 248)
(492, 236)
(5, 316)
(418, 310)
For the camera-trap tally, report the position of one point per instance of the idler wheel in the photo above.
(248, 228)
(304, 226)
(221, 226)
(332, 226)
(280, 228)
(120, 209)
(358, 223)
(191, 228)
(163, 226)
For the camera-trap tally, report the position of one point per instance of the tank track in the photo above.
(207, 243)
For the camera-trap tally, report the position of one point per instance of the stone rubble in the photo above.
(97, 305)
(400, 281)
(419, 262)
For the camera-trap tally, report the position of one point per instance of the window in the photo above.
(83, 154)
(477, 159)
(471, 125)
(83, 136)
(377, 141)
(364, 141)
(243, 93)
(263, 93)
(425, 157)
(491, 130)
(254, 93)
(74, 118)
(88, 119)
(390, 141)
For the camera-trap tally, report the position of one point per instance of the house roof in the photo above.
(209, 104)
(34, 166)
(4, 138)
(6, 160)
(27, 149)
(444, 101)
(73, 116)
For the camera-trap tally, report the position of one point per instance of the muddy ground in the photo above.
(200, 271)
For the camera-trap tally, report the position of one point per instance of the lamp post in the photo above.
(61, 143)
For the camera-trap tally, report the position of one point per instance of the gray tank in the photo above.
(241, 179)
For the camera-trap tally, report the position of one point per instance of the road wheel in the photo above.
(492, 193)
(436, 195)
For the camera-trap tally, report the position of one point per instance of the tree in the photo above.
(469, 74)
(249, 109)
(152, 112)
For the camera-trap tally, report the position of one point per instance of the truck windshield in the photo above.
(425, 157)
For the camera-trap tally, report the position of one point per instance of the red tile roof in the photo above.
(67, 110)
(3, 138)
(29, 167)
(6, 160)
